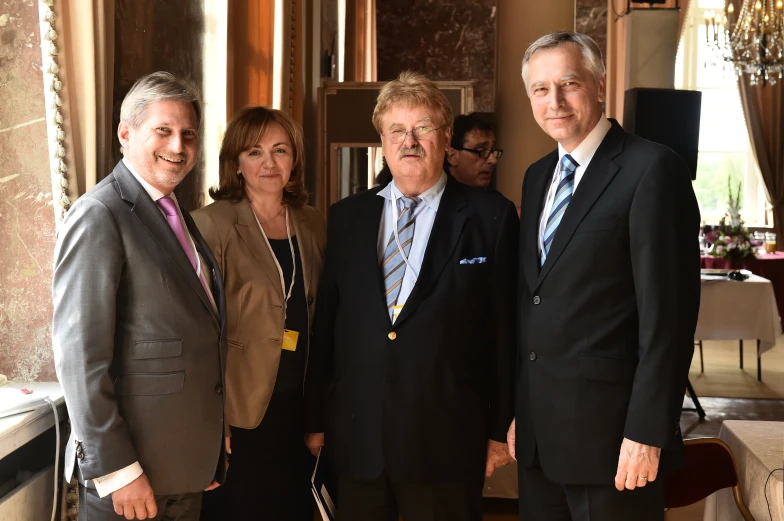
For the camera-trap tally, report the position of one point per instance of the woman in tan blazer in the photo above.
(262, 233)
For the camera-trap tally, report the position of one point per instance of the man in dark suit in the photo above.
(412, 355)
(609, 293)
(139, 323)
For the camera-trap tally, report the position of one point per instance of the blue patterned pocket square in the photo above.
(475, 260)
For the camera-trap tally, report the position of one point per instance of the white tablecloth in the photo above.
(759, 448)
(734, 310)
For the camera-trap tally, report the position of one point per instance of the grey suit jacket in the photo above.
(139, 349)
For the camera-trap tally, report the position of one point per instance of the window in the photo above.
(725, 154)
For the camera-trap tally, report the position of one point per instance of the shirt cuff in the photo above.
(110, 483)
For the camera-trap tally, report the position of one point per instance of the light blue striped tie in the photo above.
(393, 265)
(563, 195)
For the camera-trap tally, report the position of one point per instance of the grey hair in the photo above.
(158, 86)
(592, 55)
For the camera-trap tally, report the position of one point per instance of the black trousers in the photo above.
(182, 507)
(383, 500)
(269, 469)
(544, 500)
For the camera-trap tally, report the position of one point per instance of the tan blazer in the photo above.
(254, 298)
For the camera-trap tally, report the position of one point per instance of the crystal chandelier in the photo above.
(751, 40)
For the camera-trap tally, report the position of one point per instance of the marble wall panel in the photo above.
(444, 39)
(592, 19)
(27, 230)
(159, 35)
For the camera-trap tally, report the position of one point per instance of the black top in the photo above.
(292, 363)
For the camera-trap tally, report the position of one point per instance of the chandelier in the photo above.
(752, 40)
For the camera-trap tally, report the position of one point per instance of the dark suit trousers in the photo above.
(383, 500)
(544, 500)
(182, 507)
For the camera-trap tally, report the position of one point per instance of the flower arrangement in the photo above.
(731, 239)
(732, 242)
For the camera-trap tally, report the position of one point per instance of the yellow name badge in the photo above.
(290, 339)
(395, 312)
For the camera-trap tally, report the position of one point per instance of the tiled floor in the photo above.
(719, 409)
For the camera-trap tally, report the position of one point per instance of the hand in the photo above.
(214, 484)
(511, 439)
(636, 461)
(314, 441)
(135, 500)
(497, 456)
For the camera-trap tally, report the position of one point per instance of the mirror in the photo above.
(354, 168)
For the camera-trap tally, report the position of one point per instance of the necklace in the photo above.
(265, 221)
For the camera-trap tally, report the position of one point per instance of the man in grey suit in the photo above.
(139, 323)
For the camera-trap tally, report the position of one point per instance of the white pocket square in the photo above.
(475, 260)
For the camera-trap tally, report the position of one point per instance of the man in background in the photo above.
(473, 155)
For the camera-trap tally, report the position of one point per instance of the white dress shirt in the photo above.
(109, 483)
(425, 215)
(582, 155)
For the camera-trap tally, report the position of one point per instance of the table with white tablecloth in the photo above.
(738, 310)
(759, 449)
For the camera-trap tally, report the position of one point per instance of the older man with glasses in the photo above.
(412, 353)
(473, 155)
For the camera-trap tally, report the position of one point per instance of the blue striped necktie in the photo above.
(393, 265)
(563, 195)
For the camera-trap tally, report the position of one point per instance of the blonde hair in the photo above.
(413, 89)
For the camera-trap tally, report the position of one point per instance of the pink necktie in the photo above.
(169, 208)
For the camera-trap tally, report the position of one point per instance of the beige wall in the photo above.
(523, 142)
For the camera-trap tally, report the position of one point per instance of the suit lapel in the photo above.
(149, 215)
(531, 213)
(248, 229)
(447, 229)
(212, 271)
(600, 172)
(367, 224)
(305, 242)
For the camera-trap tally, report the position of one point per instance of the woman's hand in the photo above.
(314, 441)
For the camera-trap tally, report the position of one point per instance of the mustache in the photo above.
(411, 151)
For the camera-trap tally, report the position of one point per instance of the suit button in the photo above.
(537, 300)
(219, 389)
(310, 301)
(392, 335)
(532, 356)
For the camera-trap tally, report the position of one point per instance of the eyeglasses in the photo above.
(398, 136)
(484, 153)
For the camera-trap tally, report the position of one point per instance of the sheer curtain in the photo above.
(86, 47)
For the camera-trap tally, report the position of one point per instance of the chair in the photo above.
(710, 466)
